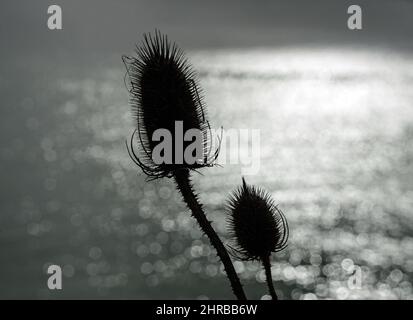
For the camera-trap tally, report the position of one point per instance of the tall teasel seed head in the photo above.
(256, 225)
(164, 90)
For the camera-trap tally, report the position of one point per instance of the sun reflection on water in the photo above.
(336, 132)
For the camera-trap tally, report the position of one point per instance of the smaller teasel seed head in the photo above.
(255, 223)
(164, 91)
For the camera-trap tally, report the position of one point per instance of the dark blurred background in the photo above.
(334, 107)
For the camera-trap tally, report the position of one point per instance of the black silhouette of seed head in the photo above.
(256, 225)
(163, 90)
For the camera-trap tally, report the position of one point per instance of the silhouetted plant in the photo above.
(164, 90)
(257, 227)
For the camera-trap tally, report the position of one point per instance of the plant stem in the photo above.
(183, 182)
(268, 275)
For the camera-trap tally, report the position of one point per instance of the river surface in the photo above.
(336, 153)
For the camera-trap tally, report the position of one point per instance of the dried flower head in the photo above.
(256, 225)
(164, 91)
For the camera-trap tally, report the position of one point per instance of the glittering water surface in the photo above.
(336, 154)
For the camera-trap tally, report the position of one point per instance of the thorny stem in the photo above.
(267, 267)
(185, 187)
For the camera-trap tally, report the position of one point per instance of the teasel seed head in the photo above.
(257, 226)
(163, 90)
